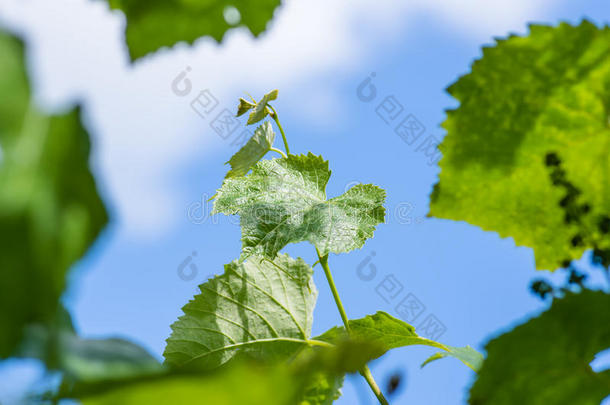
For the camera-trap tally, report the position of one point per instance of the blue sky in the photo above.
(156, 161)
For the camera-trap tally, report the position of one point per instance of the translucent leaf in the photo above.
(547, 359)
(258, 308)
(154, 24)
(50, 211)
(526, 97)
(260, 110)
(284, 201)
(253, 151)
(391, 333)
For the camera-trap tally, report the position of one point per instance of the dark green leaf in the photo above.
(258, 308)
(547, 359)
(50, 211)
(152, 24)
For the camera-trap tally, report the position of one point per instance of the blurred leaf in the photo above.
(284, 201)
(154, 24)
(526, 97)
(391, 333)
(260, 111)
(313, 378)
(258, 308)
(546, 360)
(253, 151)
(50, 212)
(237, 385)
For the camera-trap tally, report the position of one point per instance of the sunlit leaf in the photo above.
(258, 308)
(284, 201)
(526, 97)
(260, 110)
(253, 151)
(391, 333)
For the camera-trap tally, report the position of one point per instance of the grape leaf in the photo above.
(526, 97)
(154, 24)
(253, 151)
(259, 308)
(547, 359)
(50, 211)
(283, 201)
(237, 385)
(259, 110)
(391, 333)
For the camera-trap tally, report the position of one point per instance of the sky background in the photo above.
(157, 162)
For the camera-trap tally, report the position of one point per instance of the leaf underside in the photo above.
(257, 308)
(253, 151)
(526, 97)
(284, 201)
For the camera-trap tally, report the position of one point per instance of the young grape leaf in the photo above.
(526, 97)
(284, 201)
(243, 107)
(259, 308)
(153, 24)
(50, 211)
(259, 110)
(253, 151)
(547, 359)
(391, 333)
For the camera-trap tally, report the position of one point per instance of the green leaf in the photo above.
(260, 110)
(243, 107)
(526, 97)
(50, 211)
(237, 385)
(253, 151)
(284, 201)
(322, 389)
(391, 333)
(154, 24)
(547, 359)
(257, 308)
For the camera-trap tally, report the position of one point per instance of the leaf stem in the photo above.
(278, 151)
(277, 121)
(365, 372)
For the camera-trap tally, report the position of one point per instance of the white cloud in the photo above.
(144, 133)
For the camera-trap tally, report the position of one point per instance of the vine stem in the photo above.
(365, 372)
(277, 121)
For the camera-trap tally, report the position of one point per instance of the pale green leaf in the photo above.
(526, 97)
(260, 110)
(257, 308)
(152, 24)
(547, 359)
(284, 201)
(391, 333)
(253, 151)
(50, 211)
